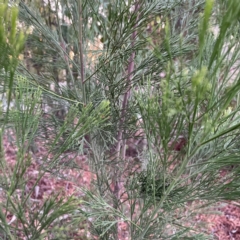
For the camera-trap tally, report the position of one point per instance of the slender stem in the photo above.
(128, 91)
(81, 59)
(120, 141)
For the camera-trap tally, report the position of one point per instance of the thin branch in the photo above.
(81, 59)
(123, 114)
(128, 91)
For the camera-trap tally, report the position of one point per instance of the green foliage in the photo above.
(29, 219)
(157, 69)
(35, 220)
(11, 42)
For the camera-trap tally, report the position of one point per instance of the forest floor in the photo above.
(222, 222)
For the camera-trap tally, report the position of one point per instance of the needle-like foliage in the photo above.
(157, 78)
